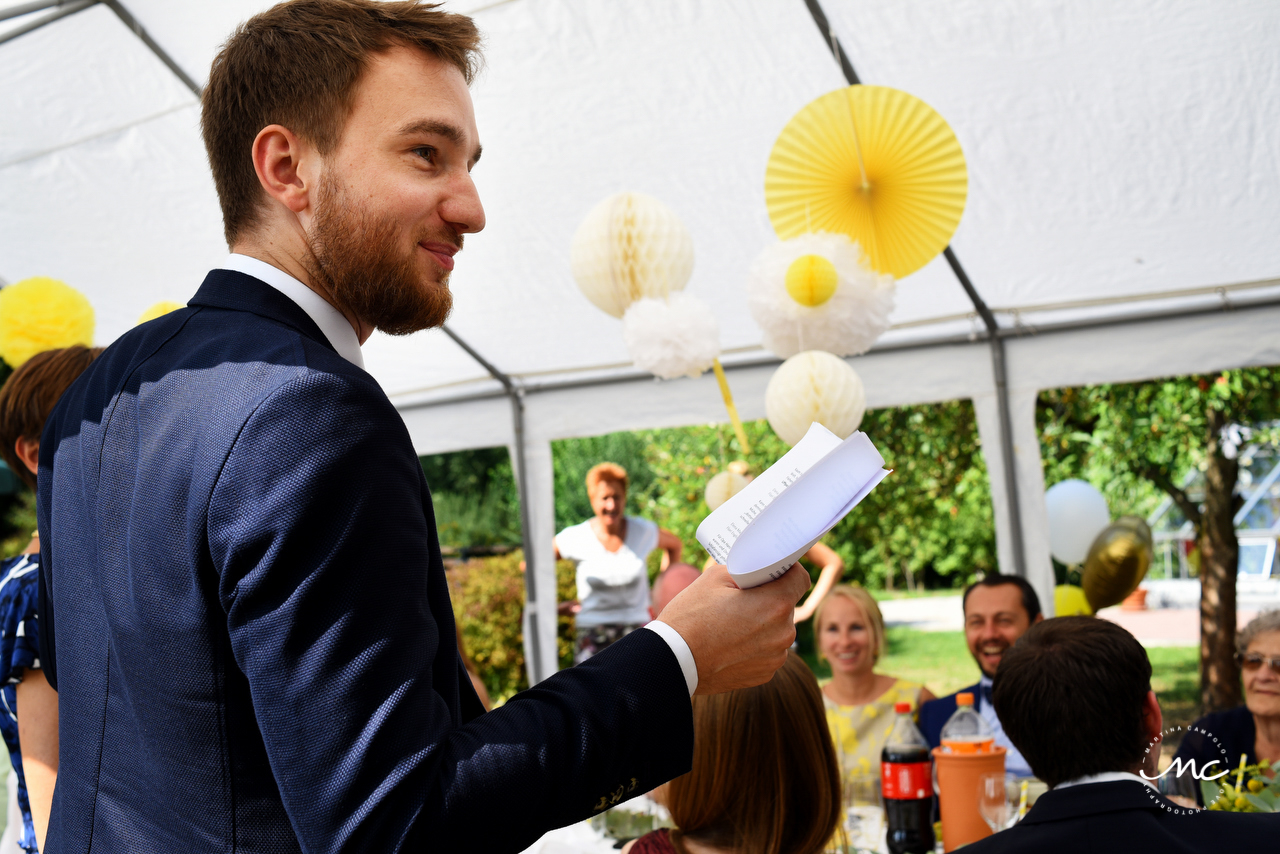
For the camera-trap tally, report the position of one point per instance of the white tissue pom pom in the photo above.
(814, 386)
(678, 337)
(846, 324)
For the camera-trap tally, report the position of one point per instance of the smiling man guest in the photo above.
(997, 611)
(245, 610)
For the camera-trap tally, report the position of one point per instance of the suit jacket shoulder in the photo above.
(1126, 816)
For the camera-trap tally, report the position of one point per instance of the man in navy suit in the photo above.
(997, 611)
(1075, 696)
(244, 607)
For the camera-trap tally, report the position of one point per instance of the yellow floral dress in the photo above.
(860, 732)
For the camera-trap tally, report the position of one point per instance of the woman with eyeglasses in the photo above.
(1252, 730)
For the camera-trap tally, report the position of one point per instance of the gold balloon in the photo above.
(1117, 562)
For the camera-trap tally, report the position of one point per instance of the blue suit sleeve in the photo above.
(338, 614)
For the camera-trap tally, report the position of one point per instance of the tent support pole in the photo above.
(515, 393)
(62, 10)
(998, 368)
(1001, 375)
(126, 17)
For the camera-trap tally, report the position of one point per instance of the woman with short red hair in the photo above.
(610, 552)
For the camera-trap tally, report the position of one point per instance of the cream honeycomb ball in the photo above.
(814, 386)
(630, 247)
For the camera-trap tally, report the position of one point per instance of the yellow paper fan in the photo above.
(876, 164)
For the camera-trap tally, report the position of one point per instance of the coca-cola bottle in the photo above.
(906, 782)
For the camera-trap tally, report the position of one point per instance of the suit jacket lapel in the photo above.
(229, 289)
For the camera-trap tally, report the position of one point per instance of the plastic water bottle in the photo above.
(906, 782)
(966, 731)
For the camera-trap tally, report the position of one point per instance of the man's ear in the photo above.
(1038, 618)
(284, 166)
(28, 450)
(1152, 718)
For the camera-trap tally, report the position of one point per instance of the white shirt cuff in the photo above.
(683, 654)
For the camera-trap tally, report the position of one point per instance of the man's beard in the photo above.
(358, 259)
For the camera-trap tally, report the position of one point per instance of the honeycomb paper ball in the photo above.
(724, 486)
(814, 386)
(160, 309)
(39, 314)
(675, 337)
(816, 292)
(811, 280)
(630, 246)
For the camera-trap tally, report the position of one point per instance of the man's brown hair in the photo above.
(611, 472)
(29, 395)
(765, 778)
(1070, 695)
(297, 65)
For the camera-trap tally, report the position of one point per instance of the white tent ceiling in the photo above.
(1124, 159)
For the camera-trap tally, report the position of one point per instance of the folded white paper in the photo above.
(764, 529)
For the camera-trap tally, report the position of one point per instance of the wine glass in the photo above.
(993, 801)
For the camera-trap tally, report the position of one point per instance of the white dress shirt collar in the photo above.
(1104, 777)
(332, 323)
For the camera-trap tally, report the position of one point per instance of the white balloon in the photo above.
(1077, 514)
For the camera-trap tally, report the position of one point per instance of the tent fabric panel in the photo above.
(1112, 148)
(75, 79)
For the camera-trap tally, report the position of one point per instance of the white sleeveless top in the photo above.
(613, 587)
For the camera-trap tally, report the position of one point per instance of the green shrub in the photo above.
(488, 600)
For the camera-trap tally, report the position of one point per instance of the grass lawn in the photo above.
(942, 662)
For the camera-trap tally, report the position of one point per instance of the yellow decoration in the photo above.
(39, 314)
(160, 309)
(811, 280)
(630, 246)
(876, 164)
(1117, 562)
(731, 408)
(1070, 601)
(814, 386)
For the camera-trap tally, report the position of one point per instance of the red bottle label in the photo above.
(906, 780)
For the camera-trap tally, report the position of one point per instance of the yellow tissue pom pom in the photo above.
(39, 314)
(1070, 601)
(160, 309)
(811, 280)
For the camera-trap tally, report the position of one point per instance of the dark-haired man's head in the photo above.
(997, 611)
(1074, 696)
(341, 136)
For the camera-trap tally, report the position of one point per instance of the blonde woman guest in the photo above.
(849, 634)
(610, 551)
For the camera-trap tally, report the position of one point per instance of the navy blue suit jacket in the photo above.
(935, 713)
(247, 620)
(1125, 816)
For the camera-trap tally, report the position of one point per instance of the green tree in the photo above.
(1156, 432)
(931, 516)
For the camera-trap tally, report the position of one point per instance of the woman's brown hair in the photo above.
(764, 777)
(29, 395)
